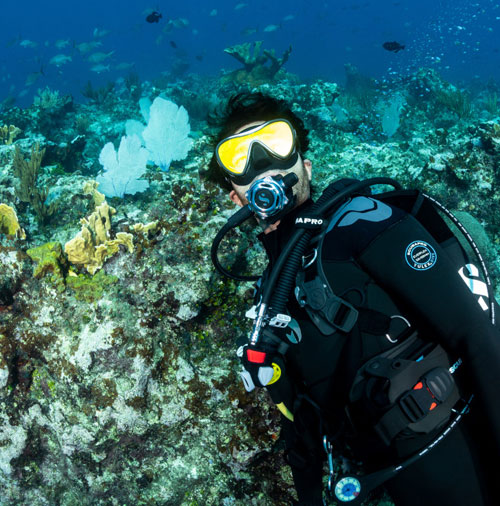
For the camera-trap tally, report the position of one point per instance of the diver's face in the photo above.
(302, 168)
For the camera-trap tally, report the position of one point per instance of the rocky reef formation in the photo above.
(258, 67)
(119, 384)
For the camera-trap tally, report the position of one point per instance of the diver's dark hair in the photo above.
(245, 108)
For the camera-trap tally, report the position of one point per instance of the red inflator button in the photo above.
(256, 357)
(418, 386)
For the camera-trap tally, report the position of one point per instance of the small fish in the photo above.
(240, 6)
(392, 46)
(33, 77)
(180, 23)
(124, 66)
(28, 43)
(99, 57)
(61, 43)
(60, 59)
(213, 12)
(289, 17)
(168, 26)
(100, 68)
(99, 33)
(199, 57)
(154, 17)
(248, 31)
(86, 47)
(173, 44)
(271, 28)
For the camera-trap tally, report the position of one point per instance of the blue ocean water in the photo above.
(63, 45)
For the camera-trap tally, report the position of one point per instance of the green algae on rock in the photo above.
(49, 258)
(90, 288)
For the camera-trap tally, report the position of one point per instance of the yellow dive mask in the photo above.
(244, 155)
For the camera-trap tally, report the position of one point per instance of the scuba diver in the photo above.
(374, 332)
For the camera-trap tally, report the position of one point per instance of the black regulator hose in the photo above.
(285, 270)
(264, 204)
(236, 219)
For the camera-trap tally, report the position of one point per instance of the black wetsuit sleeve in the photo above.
(425, 280)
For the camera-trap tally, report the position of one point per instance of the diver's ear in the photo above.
(308, 167)
(235, 198)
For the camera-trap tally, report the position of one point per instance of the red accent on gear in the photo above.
(256, 357)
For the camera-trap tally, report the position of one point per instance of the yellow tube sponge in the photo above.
(9, 133)
(145, 228)
(9, 224)
(90, 188)
(93, 245)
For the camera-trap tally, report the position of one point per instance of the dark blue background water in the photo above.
(459, 38)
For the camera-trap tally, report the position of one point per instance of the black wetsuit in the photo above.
(461, 469)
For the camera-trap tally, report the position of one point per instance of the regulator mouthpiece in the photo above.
(270, 197)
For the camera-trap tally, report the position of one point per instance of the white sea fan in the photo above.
(166, 136)
(123, 170)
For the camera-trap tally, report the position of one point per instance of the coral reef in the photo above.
(9, 223)
(99, 95)
(258, 68)
(50, 99)
(118, 376)
(28, 189)
(93, 245)
(8, 133)
(49, 259)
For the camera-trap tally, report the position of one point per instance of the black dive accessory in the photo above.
(269, 198)
(269, 338)
(271, 322)
(271, 319)
(353, 489)
(272, 308)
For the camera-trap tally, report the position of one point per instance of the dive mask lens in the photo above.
(277, 137)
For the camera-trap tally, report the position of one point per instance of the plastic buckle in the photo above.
(415, 404)
(341, 314)
(432, 389)
(251, 313)
(280, 321)
(248, 383)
